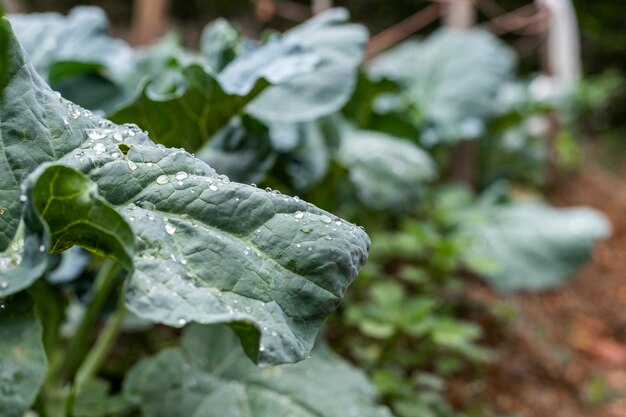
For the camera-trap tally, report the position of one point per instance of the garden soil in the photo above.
(564, 352)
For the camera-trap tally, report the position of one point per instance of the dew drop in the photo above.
(296, 199)
(162, 179)
(42, 248)
(181, 175)
(169, 229)
(99, 148)
(328, 237)
(299, 215)
(325, 219)
(261, 348)
(182, 322)
(298, 245)
(199, 172)
(146, 205)
(213, 187)
(132, 166)
(118, 136)
(96, 134)
(4, 285)
(22, 198)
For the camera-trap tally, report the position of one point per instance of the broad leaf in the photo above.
(453, 77)
(192, 114)
(22, 359)
(220, 44)
(307, 159)
(198, 246)
(536, 247)
(339, 49)
(388, 173)
(209, 375)
(95, 400)
(242, 150)
(75, 54)
(312, 68)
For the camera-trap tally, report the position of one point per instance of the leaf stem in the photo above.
(104, 284)
(98, 353)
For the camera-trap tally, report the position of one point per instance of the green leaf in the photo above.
(220, 44)
(209, 375)
(94, 400)
(198, 247)
(61, 46)
(189, 116)
(242, 150)
(339, 49)
(312, 68)
(453, 77)
(536, 247)
(75, 54)
(388, 173)
(23, 359)
(306, 160)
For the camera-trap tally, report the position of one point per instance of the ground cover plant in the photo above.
(130, 208)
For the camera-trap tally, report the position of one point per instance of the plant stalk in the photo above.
(98, 353)
(103, 286)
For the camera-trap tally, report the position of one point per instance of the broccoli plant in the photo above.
(182, 244)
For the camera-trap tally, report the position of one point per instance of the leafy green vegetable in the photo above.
(191, 114)
(536, 247)
(74, 53)
(242, 150)
(312, 69)
(23, 359)
(220, 43)
(61, 46)
(338, 48)
(452, 77)
(198, 247)
(388, 172)
(94, 400)
(209, 373)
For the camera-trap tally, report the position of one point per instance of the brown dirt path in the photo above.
(565, 354)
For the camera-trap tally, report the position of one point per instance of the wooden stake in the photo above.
(319, 6)
(461, 15)
(149, 20)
